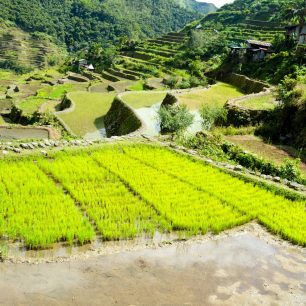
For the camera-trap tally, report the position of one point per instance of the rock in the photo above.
(269, 177)
(276, 179)
(263, 176)
(34, 144)
(61, 81)
(295, 186)
(30, 146)
(238, 168)
(4, 152)
(24, 145)
(17, 150)
(42, 145)
(43, 152)
(231, 167)
(192, 152)
(170, 99)
(285, 181)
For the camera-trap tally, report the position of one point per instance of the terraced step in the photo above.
(157, 52)
(139, 61)
(138, 55)
(132, 72)
(110, 77)
(178, 34)
(118, 73)
(162, 42)
(173, 38)
(164, 48)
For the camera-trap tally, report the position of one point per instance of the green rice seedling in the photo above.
(35, 210)
(280, 215)
(116, 211)
(185, 206)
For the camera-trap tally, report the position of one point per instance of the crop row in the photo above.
(116, 212)
(34, 209)
(126, 191)
(282, 216)
(186, 207)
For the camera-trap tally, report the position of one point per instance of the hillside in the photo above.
(257, 12)
(201, 7)
(22, 51)
(100, 21)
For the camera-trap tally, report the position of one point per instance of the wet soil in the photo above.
(241, 267)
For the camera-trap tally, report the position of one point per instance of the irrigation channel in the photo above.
(244, 266)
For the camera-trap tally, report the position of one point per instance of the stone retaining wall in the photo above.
(245, 84)
(239, 115)
(121, 119)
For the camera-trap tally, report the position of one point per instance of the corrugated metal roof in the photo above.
(259, 43)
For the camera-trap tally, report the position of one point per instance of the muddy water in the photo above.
(238, 269)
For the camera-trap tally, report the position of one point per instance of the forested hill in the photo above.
(259, 12)
(201, 7)
(78, 22)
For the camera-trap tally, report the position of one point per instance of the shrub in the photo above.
(212, 115)
(290, 170)
(174, 118)
(171, 82)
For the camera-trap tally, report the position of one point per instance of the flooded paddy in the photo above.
(245, 266)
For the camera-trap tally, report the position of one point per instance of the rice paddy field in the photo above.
(144, 98)
(88, 114)
(266, 102)
(129, 190)
(217, 95)
(48, 94)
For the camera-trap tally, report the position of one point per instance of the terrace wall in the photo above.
(239, 115)
(121, 119)
(245, 84)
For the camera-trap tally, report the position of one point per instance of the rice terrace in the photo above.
(153, 152)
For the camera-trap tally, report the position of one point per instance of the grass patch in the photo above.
(139, 86)
(58, 91)
(45, 94)
(217, 95)
(89, 112)
(2, 122)
(31, 104)
(266, 102)
(143, 99)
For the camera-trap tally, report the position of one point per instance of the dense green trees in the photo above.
(78, 22)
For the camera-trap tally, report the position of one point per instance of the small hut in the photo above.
(258, 50)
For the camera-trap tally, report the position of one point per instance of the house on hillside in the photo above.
(251, 50)
(83, 64)
(298, 32)
(258, 50)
